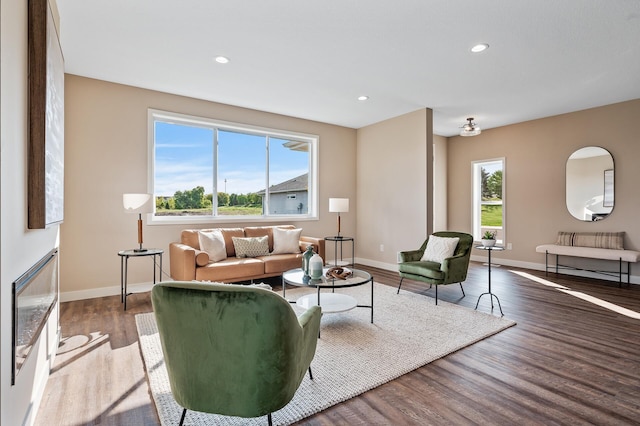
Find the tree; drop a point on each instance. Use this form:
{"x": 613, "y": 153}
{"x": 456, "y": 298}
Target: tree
{"x": 190, "y": 199}
{"x": 484, "y": 176}
{"x": 494, "y": 184}
{"x": 223, "y": 199}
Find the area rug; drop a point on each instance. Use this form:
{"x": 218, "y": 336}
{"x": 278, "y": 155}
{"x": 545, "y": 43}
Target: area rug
{"x": 353, "y": 355}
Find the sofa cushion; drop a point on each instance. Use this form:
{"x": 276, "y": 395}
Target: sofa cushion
{"x": 606, "y": 240}
{"x": 251, "y": 247}
{"x": 231, "y": 269}
{"x": 423, "y": 269}
{"x": 439, "y": 248}
{"x": 213, "y": 243}
{"x": 286, "y": 240}
{"x": 261, "y": 231}
{"x": 278, "y": 263}
{"x": 228, "y": 234}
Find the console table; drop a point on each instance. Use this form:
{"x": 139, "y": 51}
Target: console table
{"x": 489, "y": 250}
{"x": 124, "y": 263}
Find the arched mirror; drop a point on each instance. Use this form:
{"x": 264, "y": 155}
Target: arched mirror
{"x": 590, "y": 179}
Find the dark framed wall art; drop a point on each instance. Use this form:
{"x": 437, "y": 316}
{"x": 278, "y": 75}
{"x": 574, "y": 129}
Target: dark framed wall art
{"x": 45, "y": 155}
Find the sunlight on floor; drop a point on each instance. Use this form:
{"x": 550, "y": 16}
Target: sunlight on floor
{"x": 602, "y": 303}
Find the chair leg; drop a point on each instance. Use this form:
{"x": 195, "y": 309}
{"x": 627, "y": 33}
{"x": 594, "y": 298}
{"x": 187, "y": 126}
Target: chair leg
{"x": 310, "y": 374}
{"x": 436, "y": 294}
{"x": 269, "y": 419}
{"x": 462, "y": 290}
{"x": 184, "y": 413}
{"x": 401, "y": 278}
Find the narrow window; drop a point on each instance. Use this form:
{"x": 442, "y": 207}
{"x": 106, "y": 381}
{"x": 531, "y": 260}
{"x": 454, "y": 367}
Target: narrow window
{"x": 488, "y": 199}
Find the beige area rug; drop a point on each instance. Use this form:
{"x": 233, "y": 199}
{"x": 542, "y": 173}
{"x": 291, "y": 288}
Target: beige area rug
{"x": 352, "y": 356}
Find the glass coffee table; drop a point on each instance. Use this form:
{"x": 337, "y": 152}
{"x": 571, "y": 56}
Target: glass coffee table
{"x": 330, "y": 302}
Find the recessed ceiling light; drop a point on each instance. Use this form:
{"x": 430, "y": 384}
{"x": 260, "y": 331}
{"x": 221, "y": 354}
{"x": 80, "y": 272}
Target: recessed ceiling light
{"x": 222, "y": 59}
{"x": 479, "y": 47}
{"x": 363, "y": 98}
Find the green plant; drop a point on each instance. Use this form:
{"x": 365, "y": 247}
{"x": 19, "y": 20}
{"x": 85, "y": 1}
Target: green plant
{"x": 489, "y": 235}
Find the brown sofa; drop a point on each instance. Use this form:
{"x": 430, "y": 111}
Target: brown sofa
{"x": 188, "y": 262}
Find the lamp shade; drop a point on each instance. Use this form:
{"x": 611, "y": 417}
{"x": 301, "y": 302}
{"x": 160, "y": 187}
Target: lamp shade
{"x": 338, "y": 205}
{"x": 136, "y": 203}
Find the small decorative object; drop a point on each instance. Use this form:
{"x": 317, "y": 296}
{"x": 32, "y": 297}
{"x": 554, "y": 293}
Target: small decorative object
{"x": 489, "y": 239}
{"x": 306, "y": 257}
{"x": 315, "y": 267}
{"x": 338, "y": 273}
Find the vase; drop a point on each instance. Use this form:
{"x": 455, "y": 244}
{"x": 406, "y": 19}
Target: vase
{"x": 488, "y": 243}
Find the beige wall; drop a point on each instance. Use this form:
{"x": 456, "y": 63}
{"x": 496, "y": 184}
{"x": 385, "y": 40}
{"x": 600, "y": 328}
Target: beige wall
{"x": 392, "y": 171}
{"x": 440, "y": 149}
{"x": 20, "y": 248}
{"x": 536, "y": 153}
{"x": 106, "y": 156}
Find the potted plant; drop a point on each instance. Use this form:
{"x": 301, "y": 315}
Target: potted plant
{"x": 489, "y": 238}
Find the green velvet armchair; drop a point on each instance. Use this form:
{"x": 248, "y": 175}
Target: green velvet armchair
{"x": 231, "y": 349}
{"x": 451, "y": 270}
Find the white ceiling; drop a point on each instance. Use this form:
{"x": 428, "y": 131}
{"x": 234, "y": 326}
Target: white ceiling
{"x": 312, "y": 58}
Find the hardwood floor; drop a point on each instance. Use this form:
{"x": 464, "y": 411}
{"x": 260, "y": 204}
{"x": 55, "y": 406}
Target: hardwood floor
{"x": 567, "y": 361}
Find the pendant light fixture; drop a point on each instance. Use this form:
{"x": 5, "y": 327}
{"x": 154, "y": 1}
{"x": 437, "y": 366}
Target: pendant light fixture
{"x": 470, "y": 128}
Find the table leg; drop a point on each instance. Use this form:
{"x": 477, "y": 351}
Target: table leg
{"x": 121, "y": 279}
{"x": 126, "y": 271}
{"x": 371, "y": 300}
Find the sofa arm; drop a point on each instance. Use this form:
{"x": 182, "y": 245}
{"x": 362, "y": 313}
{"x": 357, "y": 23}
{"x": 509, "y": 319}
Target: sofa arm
{"x": 317, "y": 243}
{"x": 411, "y": 256}
{"x": 182, "y": 262}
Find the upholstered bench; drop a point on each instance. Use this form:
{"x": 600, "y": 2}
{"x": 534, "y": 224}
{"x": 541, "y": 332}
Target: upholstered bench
{"x": 592, "y": 245}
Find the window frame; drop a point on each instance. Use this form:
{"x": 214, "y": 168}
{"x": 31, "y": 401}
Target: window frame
{"x": 154, "y": 115}
{"x": 476, "y": 199}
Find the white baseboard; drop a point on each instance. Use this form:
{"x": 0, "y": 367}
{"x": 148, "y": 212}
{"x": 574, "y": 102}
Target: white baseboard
{"x": 380, "y": 265}
{"x": 69, "y": 296}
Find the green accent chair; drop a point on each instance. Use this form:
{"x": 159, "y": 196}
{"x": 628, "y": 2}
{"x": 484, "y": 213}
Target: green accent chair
{"x": 231, "y": 349}
{"x": 452, "y": 270}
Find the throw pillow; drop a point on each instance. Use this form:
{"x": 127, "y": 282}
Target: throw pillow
{"x": 439, "y": 248}
{"x": 251, "y": 247}
{"x": 286, "y": 241}
{"x": 212, "y": 242}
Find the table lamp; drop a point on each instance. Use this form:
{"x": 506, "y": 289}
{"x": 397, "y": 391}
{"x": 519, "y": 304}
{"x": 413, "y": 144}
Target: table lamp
{"x": 137, "y": 203}
{"x": 338, "y": 205}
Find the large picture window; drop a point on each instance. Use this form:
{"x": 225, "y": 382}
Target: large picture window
{"x": 488, "y": 199}
{"x": 203, "y": 170}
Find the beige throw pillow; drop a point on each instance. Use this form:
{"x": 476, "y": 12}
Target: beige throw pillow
{"x": 286, "y": 241}
{"x": 212, "y": 242}
{"x": 251, "y": 247}
{"x": 439, "y": 248}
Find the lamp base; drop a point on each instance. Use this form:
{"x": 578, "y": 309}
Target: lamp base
{"x": 140, "y": 250}
{"x": 338, "y": 237}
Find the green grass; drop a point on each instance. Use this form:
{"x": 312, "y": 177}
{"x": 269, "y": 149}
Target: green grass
{"x": 240, "y": 211}
{"x": 222, "y": 211}
{"x": 491, "y": 216}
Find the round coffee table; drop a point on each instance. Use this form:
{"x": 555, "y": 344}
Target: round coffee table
{"x": 330, "y": 302}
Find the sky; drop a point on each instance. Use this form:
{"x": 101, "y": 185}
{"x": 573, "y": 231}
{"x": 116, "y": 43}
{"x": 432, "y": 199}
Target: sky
{"x": 184, "y": 160}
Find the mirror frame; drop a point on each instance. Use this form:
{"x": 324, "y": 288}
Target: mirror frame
{"x": 589, "y": 194}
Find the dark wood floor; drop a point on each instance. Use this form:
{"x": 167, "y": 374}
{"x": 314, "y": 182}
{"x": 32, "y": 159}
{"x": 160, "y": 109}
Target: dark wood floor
{"x": 567, "y": 361}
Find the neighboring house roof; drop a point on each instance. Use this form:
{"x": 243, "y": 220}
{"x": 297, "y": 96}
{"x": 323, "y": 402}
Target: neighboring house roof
{"x": 299, "y": 183}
